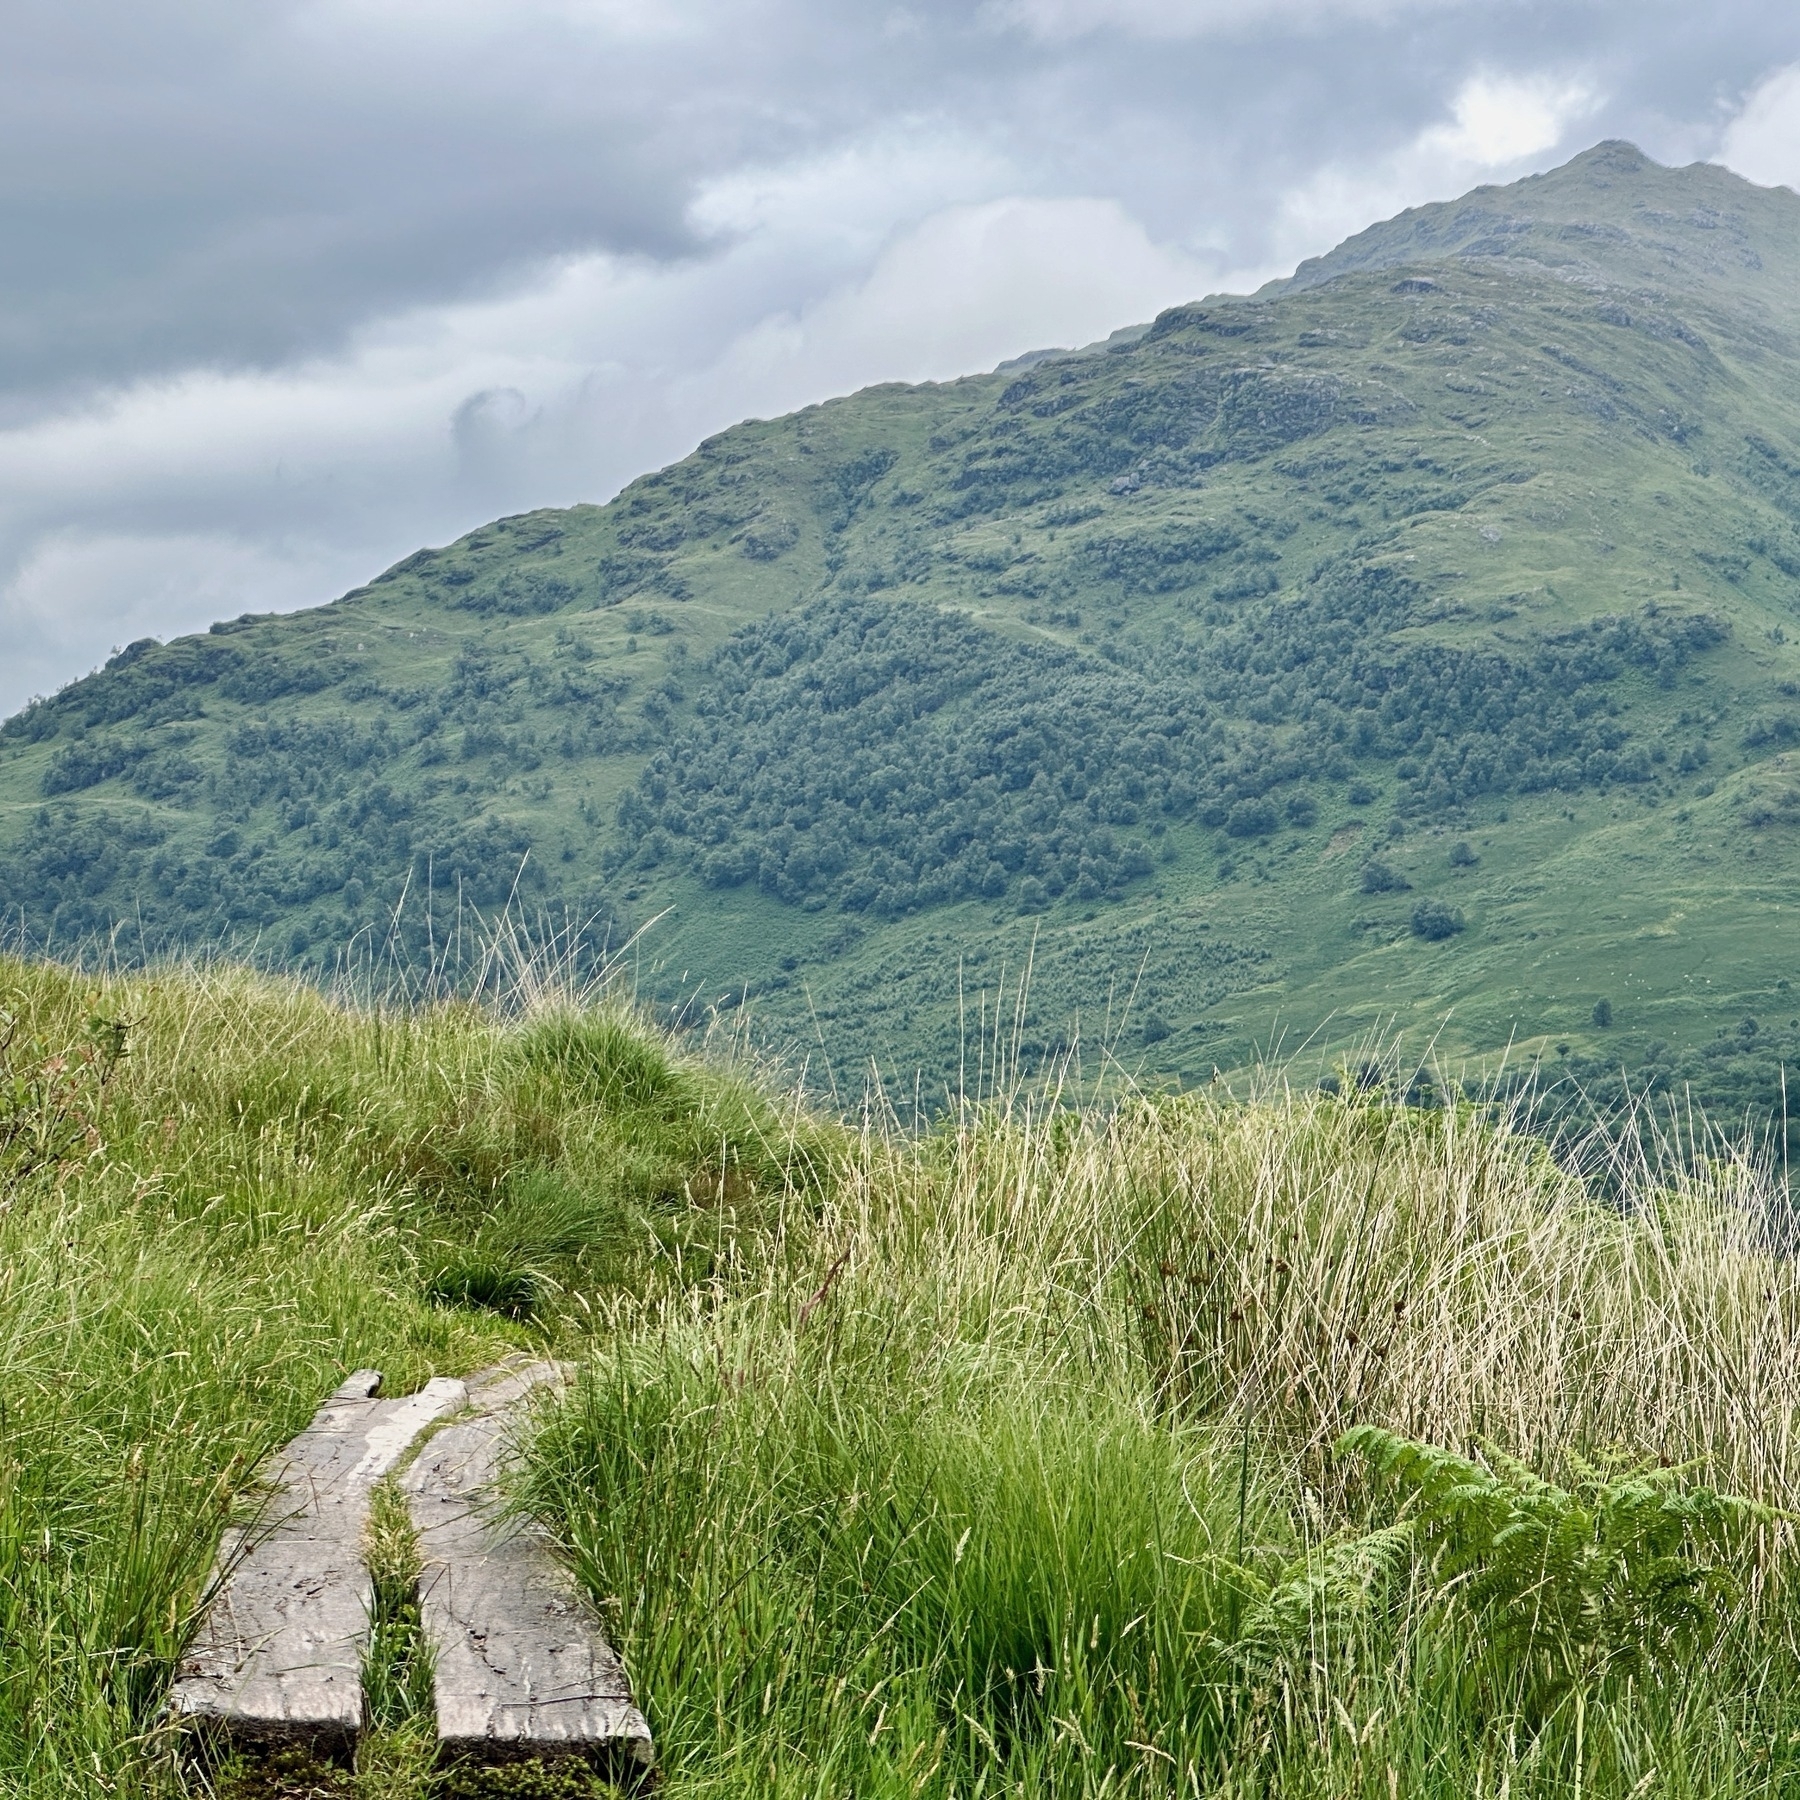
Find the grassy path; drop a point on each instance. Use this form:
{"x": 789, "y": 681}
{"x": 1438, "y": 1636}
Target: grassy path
{"x": 220, "y": 1195}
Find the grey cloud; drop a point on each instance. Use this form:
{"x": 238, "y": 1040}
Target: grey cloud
{"x": 1165, "y": 21}
{"x": 206, "y": 183}
{"x": 247, "y": 184}
{"x": 289, "y": 286}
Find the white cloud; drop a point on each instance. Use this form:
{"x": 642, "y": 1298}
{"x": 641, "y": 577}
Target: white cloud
{"x": 964, "y": 289}
{"x": 1497, "y": 121}
{"x": 853, "y": 197}
{"x": 80, "y": 595}
{"x": 1763, "y": 142}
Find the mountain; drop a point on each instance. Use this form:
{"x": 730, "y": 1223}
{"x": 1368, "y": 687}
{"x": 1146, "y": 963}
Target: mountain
{"x": 1412, "y": 644}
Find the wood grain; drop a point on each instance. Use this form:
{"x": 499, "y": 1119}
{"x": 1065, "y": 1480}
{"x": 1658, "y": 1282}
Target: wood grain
{"x": 523, "y": 1667}
{"x": 279, "y": 1653}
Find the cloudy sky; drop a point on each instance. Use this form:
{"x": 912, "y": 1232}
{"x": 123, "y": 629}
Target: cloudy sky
{"x": 291, "y": 287}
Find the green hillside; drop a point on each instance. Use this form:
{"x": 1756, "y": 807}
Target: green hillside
{"x": 1414, "y": 645}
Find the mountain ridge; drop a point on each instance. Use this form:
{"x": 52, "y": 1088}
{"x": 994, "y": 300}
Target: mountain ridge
{"x": 1713, "y": 230}
{"x": 1363, "y": 651}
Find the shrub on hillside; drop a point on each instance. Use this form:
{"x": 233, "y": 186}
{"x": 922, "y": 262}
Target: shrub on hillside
{"x": 1251, "y": 818}
{"x": 1434, "y": 921}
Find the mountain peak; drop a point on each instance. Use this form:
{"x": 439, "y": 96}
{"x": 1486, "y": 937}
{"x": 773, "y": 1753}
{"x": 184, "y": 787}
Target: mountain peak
{"x": 1611, "y": 156}
{"x": 1610, "y": 217}
{"x": 1419, "y": 633}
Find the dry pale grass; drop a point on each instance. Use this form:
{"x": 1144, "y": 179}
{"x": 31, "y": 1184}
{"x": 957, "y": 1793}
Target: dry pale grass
{"x": 1305, "y": 1262}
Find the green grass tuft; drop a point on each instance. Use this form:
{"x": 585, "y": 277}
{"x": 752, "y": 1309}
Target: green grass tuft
{"x": 490, "y": 1279}
{"x": 1023, "y": 1468}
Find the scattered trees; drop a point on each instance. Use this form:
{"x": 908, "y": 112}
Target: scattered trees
{"x": 881, "y": 755}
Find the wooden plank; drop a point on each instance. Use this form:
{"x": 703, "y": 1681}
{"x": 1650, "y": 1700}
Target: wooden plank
{"x": 523, "y": 1667}
{"x": 279, "y": 1654}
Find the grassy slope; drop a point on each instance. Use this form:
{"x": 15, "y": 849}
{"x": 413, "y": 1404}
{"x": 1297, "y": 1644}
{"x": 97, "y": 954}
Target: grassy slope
{"x": 1001, "y": 1459}
{"x": 1584, "y": 416}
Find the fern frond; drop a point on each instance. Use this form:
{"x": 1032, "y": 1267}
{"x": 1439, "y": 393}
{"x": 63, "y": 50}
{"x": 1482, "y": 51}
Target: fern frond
{"x": 1626, "y": 1571}
{"x": 1325, "y": 1594}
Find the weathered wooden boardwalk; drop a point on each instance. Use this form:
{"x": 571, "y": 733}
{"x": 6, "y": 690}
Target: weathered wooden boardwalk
{"x": 523, "y": 1667}
{"x": 279, "y": 1655}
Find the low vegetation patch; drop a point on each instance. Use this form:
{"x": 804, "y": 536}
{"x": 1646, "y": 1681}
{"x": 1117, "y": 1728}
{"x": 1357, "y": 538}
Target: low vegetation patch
{"x": 219, "y": 1195}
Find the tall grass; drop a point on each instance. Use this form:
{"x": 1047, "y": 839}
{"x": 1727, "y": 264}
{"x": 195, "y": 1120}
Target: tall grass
{"x": 1017, "y": 1468}
{"x": 250, "y": 1202}
{"x": 1299, "y": 1444}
